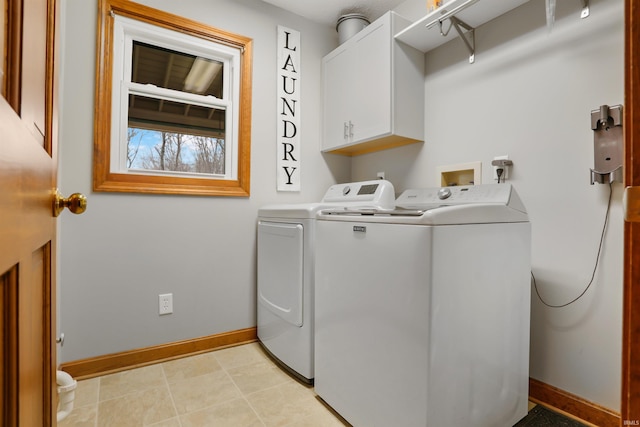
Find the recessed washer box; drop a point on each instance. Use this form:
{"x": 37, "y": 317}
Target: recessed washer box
{"x": 460, "y": 174}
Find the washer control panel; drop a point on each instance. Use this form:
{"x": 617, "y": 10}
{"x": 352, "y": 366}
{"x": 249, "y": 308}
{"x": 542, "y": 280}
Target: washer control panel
{"x": 425, "y": 198}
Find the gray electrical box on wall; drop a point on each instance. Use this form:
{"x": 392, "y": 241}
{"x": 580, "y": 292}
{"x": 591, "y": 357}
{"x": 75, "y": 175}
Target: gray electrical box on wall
{"x": 607, "y": 144}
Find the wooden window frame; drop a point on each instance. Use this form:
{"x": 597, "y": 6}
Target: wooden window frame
{"x": 108, "y": 181}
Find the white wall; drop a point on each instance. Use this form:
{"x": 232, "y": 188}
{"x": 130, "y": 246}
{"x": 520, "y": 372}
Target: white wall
{"x": 126, "y": 249}
{"x": 529, "y": 95}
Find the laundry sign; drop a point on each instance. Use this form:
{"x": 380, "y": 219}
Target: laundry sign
{"x": 288, "y": 109}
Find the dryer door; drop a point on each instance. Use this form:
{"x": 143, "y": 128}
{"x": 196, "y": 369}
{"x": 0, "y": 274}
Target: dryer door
{"x": 280, "y": 269}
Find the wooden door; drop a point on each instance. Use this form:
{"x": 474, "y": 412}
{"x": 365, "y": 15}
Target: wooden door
{"x": 630, "y": 402}
{"x": 28, "y": 168}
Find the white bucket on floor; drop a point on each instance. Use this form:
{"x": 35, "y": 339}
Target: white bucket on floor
{"x": 66, "y": 393}
{"x": 349, "y": 25}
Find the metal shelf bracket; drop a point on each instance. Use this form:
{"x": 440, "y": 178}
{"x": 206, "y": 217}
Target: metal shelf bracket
{"x": 468, "y": 37}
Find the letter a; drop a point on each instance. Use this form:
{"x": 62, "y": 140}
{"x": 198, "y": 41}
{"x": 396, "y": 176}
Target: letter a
{"x": 289, "y": 63}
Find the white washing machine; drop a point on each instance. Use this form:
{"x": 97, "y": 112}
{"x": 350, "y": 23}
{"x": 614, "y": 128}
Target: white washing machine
{"x": 422, "y": 314}
{"x": 286, "y": 246}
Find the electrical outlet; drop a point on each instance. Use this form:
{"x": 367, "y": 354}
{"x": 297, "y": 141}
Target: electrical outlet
{"x": 165, "y": 304}
{"x": 505, "y": 170}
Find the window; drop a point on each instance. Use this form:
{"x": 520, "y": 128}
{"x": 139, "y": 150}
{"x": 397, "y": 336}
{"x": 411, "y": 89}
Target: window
{"x": 173, "y": 105}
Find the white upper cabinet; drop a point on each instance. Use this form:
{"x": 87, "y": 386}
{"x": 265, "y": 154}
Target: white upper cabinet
{"x": 373, "y": 91}
{"x": 425, "y": 35}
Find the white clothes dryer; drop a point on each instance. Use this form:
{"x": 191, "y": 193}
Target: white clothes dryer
{"x": 286, "y": 248}
{"x": 422, "y": 313}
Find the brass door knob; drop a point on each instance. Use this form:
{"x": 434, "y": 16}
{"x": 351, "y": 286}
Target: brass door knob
{"x": 77, "y": 203}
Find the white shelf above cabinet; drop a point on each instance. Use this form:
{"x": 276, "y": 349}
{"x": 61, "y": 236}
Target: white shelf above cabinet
{"x": 424, "y": 39}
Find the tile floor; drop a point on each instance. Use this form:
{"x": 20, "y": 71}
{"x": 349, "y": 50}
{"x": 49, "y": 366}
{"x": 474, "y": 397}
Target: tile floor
{"x": 238, "y": 386}
{"x": 232, "y": 387}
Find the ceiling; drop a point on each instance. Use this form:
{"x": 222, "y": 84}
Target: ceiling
{"x": 328, "y": 11}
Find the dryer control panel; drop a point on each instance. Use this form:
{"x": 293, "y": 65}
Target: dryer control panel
{"x": 375, "y": 194}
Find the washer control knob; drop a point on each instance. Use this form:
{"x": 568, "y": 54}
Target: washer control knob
{"x": 444, "y": 193}
{"x": 346, "y": 190}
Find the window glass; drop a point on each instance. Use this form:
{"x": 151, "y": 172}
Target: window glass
{"x": 175, "y": 70}
{"x": 155, "y": 150}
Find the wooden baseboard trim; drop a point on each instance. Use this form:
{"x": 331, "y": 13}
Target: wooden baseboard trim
{"x": 110, "y": 363}
{"x": 572, "y": 405}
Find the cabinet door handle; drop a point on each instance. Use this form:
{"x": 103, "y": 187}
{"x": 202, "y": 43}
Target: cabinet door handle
{"x": 350, "y": 129}
{"x": 344, "y": 132}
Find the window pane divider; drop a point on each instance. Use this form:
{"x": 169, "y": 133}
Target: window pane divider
{"x": 154, "y": 91}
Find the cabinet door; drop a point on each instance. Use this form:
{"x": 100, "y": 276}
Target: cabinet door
{"x": 371, "y": 77}
{"x": 338, "y": 89}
